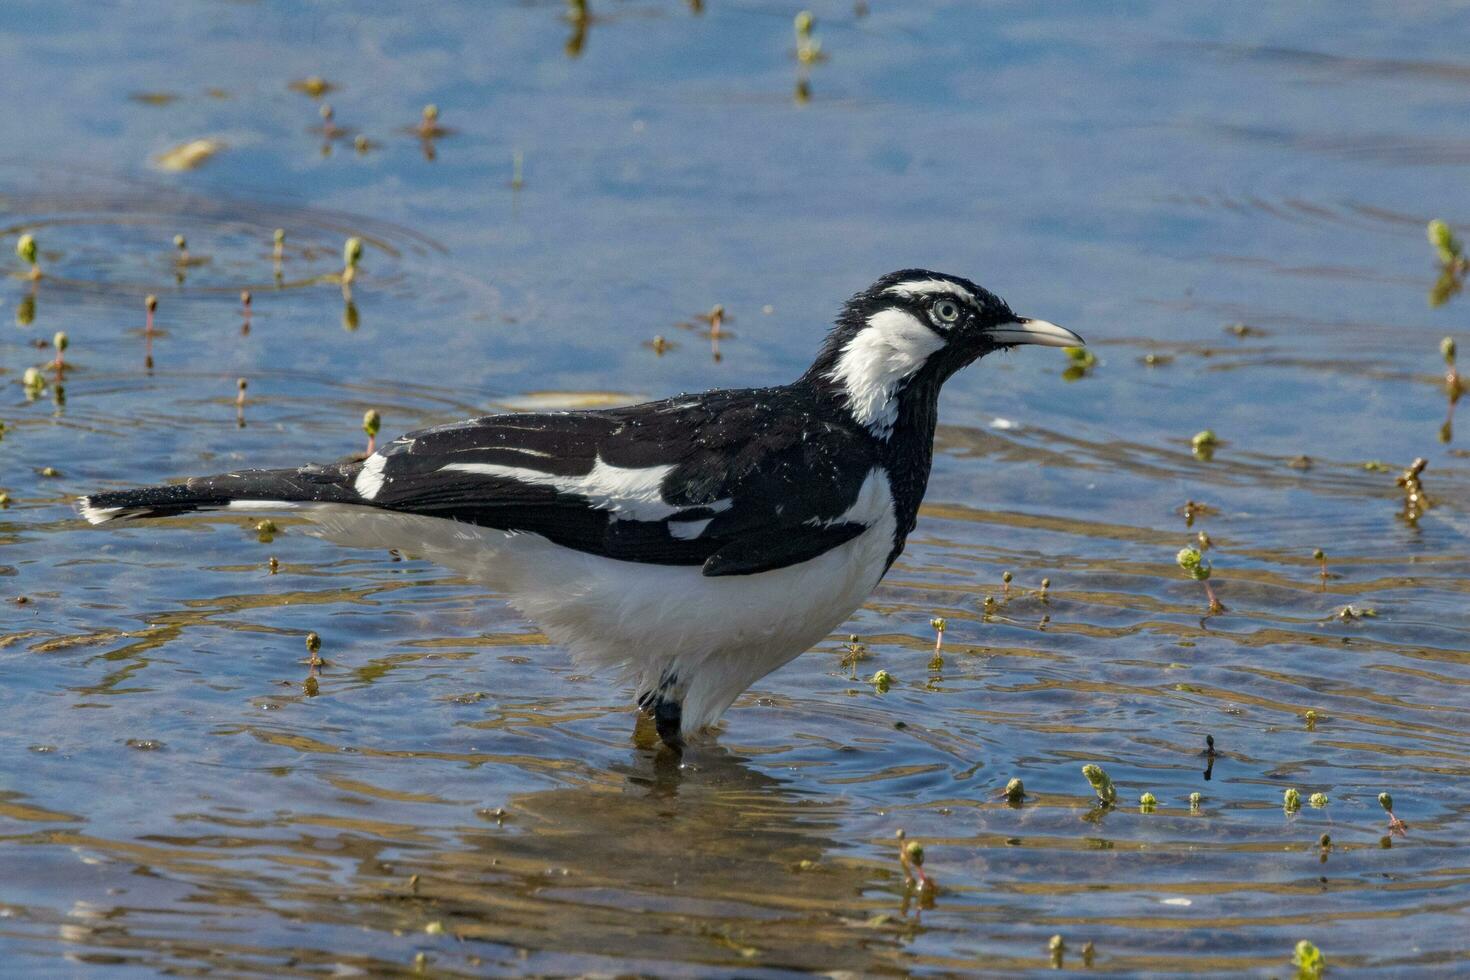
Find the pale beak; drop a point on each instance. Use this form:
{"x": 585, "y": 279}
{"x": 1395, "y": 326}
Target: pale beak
{"x": 1025, "y": 331}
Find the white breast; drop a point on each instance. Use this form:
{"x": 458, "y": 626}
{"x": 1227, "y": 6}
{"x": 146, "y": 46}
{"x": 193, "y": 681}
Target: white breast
{"x": 718, "y": 635}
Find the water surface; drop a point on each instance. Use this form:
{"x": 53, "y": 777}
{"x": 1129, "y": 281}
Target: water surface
{"x": 180, "y": 791}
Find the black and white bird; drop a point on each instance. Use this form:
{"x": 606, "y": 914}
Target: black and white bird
{"x": 695, "y": 544}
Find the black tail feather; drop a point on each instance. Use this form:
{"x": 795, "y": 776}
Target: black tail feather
{"x": 308, "y": 484}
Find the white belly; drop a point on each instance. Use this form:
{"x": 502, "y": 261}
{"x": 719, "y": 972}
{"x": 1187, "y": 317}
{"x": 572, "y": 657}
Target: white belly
{"x": 717, "y": 635}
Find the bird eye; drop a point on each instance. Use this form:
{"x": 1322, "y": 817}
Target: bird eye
{"x": 947, "y": 310}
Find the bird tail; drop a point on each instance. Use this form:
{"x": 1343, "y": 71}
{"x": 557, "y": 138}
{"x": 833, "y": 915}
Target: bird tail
{"x": 245, "y": 490}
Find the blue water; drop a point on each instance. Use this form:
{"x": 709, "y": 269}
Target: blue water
{"x": 177, "y": 795}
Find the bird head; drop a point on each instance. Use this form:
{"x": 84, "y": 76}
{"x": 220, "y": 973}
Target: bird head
{"x": 906, "y": 334}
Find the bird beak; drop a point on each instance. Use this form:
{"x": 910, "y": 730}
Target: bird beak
{"x": 1024, "y": 331}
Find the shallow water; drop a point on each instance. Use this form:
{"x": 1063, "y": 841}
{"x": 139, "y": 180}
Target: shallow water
{"x": 178, "y": 791}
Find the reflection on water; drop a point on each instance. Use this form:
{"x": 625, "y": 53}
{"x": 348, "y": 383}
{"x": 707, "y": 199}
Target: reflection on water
{"x": 1234, "y": 214}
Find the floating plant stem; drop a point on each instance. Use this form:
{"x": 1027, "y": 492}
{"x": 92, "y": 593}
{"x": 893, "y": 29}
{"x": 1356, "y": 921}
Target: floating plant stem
{"x": 25, "y": 247}
{"x": 1446, "y": 245}
{"x": 1395, "y": 825}
{"x": 1416, "y": 502}
{"x": 1193, "y": 563}
{"x": 60, "y": 342}
{"x": 314, "y": 648}
{"x": 1005, "y": 583}
{"x": 240, "y": 385}
{"x": 372, "y": 423}
{"x": 278, "y": 251}
{"x": 1321, "y": 558}
{"x": 937, "y": 661}
{"x": 1454, "y": 387}
{"x": 854, "y": 651}
{"x": 517, "y": 170}
{"x": 1101, "y": 783}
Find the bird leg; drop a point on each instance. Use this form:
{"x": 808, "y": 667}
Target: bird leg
{"x": 667, "y": 709}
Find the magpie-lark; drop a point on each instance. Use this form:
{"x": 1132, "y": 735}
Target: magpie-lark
{"x": 695, "y": 543}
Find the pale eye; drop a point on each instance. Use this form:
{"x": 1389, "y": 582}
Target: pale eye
{"x": 947, "y": 311}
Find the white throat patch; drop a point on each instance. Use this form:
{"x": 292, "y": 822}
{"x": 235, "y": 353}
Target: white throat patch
{"x": 874, "y": 365}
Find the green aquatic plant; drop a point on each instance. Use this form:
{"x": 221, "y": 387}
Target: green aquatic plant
{"x": 911, "y": 859}
{"x": 881, "y": 681}
{"x": 240, "y": 385}
{"x": 660, "y": 345}
{"x": 1080, "y": 362}
{"x": 1395, "y": 825}
{"x": 1320, "y": 557}
{"x": 1005, "y": 583}
{"x": 25, "y": 310}
{"x": 1056, "y": 950}
{"x": 372, "y": 423}
{"x": 1204, "y": 443}
{"x": 1416, "y": 502}
{"x": 1147, "y": 802}
{"x": 1192, "y": 561}
{"x": 351, "y": 256}
{"x": 1015, "y": 791}
{"x": 517, "y": 170}
{"x": 33, "y": 382}
{"x": 60, "y": 342}
{"x": 1291, "y": 800}
{"x": 1195, "y": 799}
{"x": 1446, "y": 245}
{"x": 937, "y": 661}
{"x": 4, "y": 500}
{"x": 25, "y": 247}
{"x": 808, "y": 47}
{"x": 1317, "y": 800}
{"x": 314, "y": 649}
{"x": 273, "y": 565}
{"x": 1308, "y": 961}
{"x": 1101, "y": 783}
{"x": 278, "y": 250}
{"x": 1045, "y": 589}
{"x": 265, "y": 531}
{"x": 313, "y": 85}
{"x": 853, "y": 651}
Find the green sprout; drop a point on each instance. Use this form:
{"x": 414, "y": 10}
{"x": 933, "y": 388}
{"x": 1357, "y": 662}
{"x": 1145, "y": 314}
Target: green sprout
{"x": 808, "y": 48}
{"x": 1080, "y": 362}
{"x": 1005, "y": 583}
{"x": 240, "y": 385}
{"x": 274, "y": 565}
{"x": 278, "y": 250}
{"x": 854, "y": 650}
{"x": 1204, "y": 444}
{"x": 1317, "y": 800}
{"x": 314, "y": 648}
{"x": 1291, "y": 800}
{"x": 1320, "y": 557}
{"x": 265, "y": 531}
{"x": 1147, "y": 802}
{"x": 34, "y": 383}
{"x": 1395, "y": 825}
{"x": 25, "y": 247}
{"x": 4, "y": 500}
{"x": 937, "y": 661}
{"x": 1056, "y": 949}
{"x": 1192, "y": 561}
{"x": 1308, "y": 961}
{"x": 881, "y": 681}
{"x": 60, "y": 341}
{"x": 1045, "y": 587}
{"x": 1015, "y": 791}
{"x": 351, "y": 255}
{"x": 372, "y": 423}
{"x": 1102, "y": 784}
{"x": 1194, "y": 801}
{"x": 1446, "y": 245}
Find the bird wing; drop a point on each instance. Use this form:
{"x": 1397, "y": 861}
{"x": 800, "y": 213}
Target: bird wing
{"x": 737, "y": 482}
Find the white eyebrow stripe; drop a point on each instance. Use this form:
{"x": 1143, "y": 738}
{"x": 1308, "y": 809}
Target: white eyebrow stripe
{"x": 930, "y": 287}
